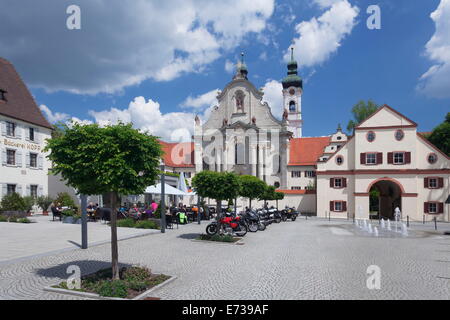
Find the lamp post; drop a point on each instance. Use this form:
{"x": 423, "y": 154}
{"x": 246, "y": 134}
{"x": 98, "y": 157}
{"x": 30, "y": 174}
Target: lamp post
{"x": 84, "y": 233}
{"x": 163, "y": 196}
{"x": 199, "y": 202}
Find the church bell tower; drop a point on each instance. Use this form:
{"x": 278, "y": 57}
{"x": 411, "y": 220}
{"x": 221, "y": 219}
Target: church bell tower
{"x": 292, "y": 98}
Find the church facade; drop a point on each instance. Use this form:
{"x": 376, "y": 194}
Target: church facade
{"x": 384, "y": 165}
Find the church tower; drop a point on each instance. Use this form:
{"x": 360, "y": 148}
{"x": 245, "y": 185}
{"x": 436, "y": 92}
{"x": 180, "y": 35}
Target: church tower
{"x": 292, "y": 97}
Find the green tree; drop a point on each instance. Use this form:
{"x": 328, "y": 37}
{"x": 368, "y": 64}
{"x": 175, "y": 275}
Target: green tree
{"x": 251, "y": 188}
{"x": 113, "y": 160}
{"x": 218, "y": 186}
{"x": 13, "y": 202}
{"x": 268, "y": 194}
{"x": 361, "y": 111}
{"x": 65, "y": 200}
{"x": 440, "y": 136}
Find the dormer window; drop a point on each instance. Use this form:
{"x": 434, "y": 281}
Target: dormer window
{"x": 3, "y": 95}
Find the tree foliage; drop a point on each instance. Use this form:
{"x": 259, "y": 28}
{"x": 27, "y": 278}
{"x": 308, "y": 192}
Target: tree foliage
{"x": 216, "y": 185}
{"x": 251, "y": 187}
{"x": 440, "y": 136}
{"x": 361, "y": 111}
{"x": 13, "y": 202}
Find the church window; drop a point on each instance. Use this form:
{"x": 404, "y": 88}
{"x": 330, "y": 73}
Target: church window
{"x": 292, "y": 107}
{"x": 432, "y": 158}
{"x": 239, "y": 153}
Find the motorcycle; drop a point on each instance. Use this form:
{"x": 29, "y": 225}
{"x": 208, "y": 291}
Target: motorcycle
{"x": 289, "y": 213}
{"x": 275, "y": 215}
{"x": 253, "y": 221}
{"x": 229, "y": 225}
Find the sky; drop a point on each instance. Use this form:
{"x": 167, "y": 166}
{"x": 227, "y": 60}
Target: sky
{"x": 159, "y": 63}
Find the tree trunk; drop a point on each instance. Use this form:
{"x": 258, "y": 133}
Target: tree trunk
{"x": 219, "y": 215}
{"x": 250, "y": 204}
{"x": 114, "y": 247}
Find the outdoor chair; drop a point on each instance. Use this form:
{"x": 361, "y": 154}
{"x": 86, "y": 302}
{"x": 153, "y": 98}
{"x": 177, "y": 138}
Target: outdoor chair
{"x": 56, "y": 213}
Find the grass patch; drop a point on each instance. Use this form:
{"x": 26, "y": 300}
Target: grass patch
{"x": 219, "y": 238}
{"x": 131, "y": 223}
{"x": 133, "y": 282}
{"x": 14, "y": 219}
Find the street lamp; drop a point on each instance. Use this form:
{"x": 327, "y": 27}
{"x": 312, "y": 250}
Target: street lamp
{"x": 163, "y": 196}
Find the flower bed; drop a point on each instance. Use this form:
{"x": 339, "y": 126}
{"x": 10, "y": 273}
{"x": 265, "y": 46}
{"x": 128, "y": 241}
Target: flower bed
{"x": 143, "y": 224}
{"x": 133, "y": 282}
{"x": 219, "y": 238}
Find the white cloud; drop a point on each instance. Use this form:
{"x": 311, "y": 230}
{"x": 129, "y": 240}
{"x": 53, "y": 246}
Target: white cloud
{"x": 436, "y": 81}
{"x": 123, "y": 44}
{"x": 230, "y": 66}
{"x": 320, "y": 37}
{"x": 53, "y": 117}
{"x": 273, "y": 95}
{"x": 201, "y": 101}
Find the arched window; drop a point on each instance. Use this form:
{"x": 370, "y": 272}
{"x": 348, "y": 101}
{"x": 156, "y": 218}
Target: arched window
{"x": 292, "y": 106}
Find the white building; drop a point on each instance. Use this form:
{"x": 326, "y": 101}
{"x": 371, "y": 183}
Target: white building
{"x": 23, "y": 130}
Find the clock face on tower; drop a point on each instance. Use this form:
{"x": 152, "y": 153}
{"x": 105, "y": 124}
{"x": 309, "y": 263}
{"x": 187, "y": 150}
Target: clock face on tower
{"x": 292, "y": 92}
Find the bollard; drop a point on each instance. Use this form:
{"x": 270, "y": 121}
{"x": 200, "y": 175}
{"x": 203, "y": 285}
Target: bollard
{"x": 423, "y": 219}
{"x": 407, "y": 221}
{"x": 435, "y": 223}
{"x": 329, "y": 216}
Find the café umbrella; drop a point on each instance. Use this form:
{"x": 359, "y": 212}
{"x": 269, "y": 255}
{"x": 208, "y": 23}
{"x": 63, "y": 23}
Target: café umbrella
{"x": 169, "y": 190}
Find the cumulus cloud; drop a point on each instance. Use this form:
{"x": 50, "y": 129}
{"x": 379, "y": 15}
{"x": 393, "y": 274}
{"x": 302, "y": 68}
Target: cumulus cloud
{"x": 230, "y": 66}
{"x": 123, "y": 43}
{"x": 201, "y": 101}
{"x": 436, "y": 81}
{"x": 273, "y": 95}
{"x": 320, "y": 37}
{"x": 53, "y": 117}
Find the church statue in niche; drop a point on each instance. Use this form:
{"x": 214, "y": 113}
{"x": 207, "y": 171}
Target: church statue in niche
{"x": 240, "y": 102}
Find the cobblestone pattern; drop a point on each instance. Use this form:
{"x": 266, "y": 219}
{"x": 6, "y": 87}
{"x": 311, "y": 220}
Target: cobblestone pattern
{"x": 292, "y": 260}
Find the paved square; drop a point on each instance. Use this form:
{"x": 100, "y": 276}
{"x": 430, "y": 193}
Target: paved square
{"x": 313, "y": 259}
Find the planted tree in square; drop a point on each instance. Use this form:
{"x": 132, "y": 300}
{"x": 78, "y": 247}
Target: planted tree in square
{"x": 252, "y": 188}
{"x": 113, "y": 160}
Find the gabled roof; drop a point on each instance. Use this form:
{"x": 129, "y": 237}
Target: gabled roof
{"x": 20, "y": 104}
{"x": 306, "y": 151}
{"x": 179, "y": 154}
{"x": 364, "y": 124}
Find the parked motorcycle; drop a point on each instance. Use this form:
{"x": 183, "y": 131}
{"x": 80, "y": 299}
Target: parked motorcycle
{"x": 229, "y": 225}
{"x": 253, "y": 221}
{"x": 289, "y": 213}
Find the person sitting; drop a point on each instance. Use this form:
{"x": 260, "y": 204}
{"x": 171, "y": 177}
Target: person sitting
{"x": 134, "y": 212}
{"x": 56, "y": 211}
{"x": 90, "y": 209}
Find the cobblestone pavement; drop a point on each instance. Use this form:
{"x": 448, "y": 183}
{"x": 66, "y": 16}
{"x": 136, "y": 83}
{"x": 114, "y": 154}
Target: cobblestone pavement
{"x": 313, "y": 259}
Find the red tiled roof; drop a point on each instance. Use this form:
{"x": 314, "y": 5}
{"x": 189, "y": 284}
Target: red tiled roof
{"x": 306, "y": 151}
{"x": 20, "y": 104}
{"x": 178, "y": 155}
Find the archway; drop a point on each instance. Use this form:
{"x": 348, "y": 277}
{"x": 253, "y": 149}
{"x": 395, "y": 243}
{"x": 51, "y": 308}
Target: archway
{"x": 384, "y": 196}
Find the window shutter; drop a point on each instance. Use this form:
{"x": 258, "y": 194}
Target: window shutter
{"x": 40, "y": 191}
{"x": 379, "y": 158}
{"x": 40, "y": 160}
{"x": 390, "y": 158}
{"x": 426, "y": 183}
{"x": 440, "y": 183}
{"x": 27, "y": 133}
{"x": 440, "y": 207}
{"x": 27, "y": 163}
{"x": 331, "y": 206}
{"x": 425, "y": 207}
{"x": 4, "y": 157}
{"x": 37, "y": 135}
{"x": 3, "y": 125}
{"x": 344, "y": 182}
{"x": 363, "y": 158}
{"x": 332, "y": 183}
{"x": 19, "y": 158}
{"x": 344, "y": 206}
{"x": 18, "y": 132}
{"x": 407, "y": 157}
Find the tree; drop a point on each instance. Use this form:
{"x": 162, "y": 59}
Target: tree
{"x": 279, "y": 196}
{"x": 440, "y": 136}
{"x": 251, "y": 188}
{"x": 361, "y": 111}
{"x": 268, "y": 194}
{"x": 113, "y": 160}
{"x": 216, "y": 185}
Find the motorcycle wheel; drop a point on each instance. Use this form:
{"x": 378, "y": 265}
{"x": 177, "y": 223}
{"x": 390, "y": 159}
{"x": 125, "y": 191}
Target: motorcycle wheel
{"x": 261, "y": 226}
{"x": 293, "y": 218}
{"x": 277, "y": 220}
{"x": 211, "y": 229}
{"x": 284, "y": 218}
{"x": 253, "y": 227}
{"x": 243, "y": 230}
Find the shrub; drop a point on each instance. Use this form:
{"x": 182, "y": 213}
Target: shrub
{"x": 148, "y": 224}
{"x": 137, "y": 285}
{"x": 65, "y": 199}
{"x": 126, "y": 223}
{"x": 69, "y": 213}
{"x": 113, "y": 288}
{"x": 24, "y": 220}
{"x": 136, "y": 274}
{"x": 29, "y": 203}
{"x": 13, "y": 202}
{"x": 3, "y": 218}
{"x": 13, "y": 219}
{"x": 44, "y": 202}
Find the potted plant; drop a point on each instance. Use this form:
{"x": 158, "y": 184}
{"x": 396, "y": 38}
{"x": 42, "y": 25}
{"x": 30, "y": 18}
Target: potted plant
{"x": 14, "y": 205}
{"x": 44, "y": 202}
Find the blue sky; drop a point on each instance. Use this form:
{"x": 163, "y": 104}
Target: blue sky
{"x": 71, "y": 74}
